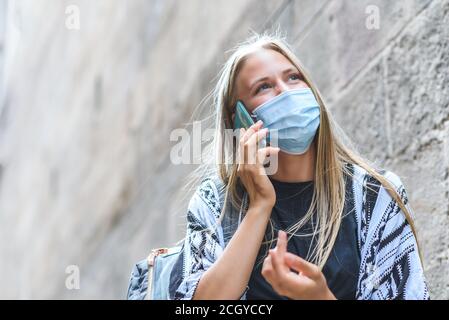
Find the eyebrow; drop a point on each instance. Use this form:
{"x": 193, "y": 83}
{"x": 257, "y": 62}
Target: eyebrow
{"x": 266, "y": 78}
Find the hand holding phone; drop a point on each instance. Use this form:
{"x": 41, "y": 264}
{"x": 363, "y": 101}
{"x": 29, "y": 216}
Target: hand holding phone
{"x": 244, "y": 120}
{"x": 254, "y": 178}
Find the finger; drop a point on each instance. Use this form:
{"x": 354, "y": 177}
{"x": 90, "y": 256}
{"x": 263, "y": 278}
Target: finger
{"x": 245, "y": 153}
{"x": 280, "y": 277}
{"x": 278, "y": 263}
{"x": 280, "y": 250}
{"x": 250, "y": 153}
{"x": 260, "y": 134}
{"x": 257, "y": 125}
{"x": 251, "y": 145}
{"x": 251, "y": 130}
{"x": 274, "y": 264}
{"x": 282, "y": 243}
{"x": 244, "y": 135}
{"x": 268, "y": 260}
{"x": 300, "y": 265}
{"x": 241, "y": 133}
{"x": 248, "y": 133}
{"x": 240, "y": 154}
{"x": 266, "y": 152}
{"x": 267, "y": 263}
{"x": 267, "y": 267}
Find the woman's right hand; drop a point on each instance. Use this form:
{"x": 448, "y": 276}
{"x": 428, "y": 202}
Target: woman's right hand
{"x": 250, "y": 168}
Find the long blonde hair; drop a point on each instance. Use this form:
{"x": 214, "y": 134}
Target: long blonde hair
{"x": 333, "y": 150}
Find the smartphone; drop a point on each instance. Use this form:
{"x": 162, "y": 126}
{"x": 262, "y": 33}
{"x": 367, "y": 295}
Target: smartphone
{"x": 244, "y": 120}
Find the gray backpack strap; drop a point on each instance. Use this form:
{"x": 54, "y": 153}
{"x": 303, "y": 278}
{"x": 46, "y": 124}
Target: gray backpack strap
{"x": 233, "y": 216}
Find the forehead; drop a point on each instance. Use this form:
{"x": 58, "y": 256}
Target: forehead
{"x": 262, "y": 63}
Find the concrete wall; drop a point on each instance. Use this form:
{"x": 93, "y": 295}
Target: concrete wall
{"x": 85, "y": 118}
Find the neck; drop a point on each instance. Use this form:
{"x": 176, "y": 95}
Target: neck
{"x": 296, "y": 168}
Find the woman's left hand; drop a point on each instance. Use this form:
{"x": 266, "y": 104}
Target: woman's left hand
{"x": 308, "y": 284}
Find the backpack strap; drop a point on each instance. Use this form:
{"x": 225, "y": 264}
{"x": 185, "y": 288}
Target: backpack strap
{"x": 232, "y": 216}
{"x": 370, "y": 191}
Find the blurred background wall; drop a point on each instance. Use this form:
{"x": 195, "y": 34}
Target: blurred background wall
{"x": 86, "y": 114}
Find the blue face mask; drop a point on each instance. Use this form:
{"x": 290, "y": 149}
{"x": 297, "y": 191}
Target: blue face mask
{"x": 294, "y": 116}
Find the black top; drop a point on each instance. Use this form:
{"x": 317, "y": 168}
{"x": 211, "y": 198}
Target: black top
{"x": 341, "y": 269}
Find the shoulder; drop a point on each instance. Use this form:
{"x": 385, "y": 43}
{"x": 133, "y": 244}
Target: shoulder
{"x": 376, "y": 196}
{"x": 363, "y": 178}
{"x": 374, "y": 203}
{"x": 207, "y": 196}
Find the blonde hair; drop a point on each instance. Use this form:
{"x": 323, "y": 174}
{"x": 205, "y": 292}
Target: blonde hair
{"x": 333, "y": 150}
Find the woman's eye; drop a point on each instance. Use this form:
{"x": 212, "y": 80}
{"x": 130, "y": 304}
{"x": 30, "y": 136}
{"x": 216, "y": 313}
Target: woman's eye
{"x": 295, "y": 76}
{"x": 262, "y": 86}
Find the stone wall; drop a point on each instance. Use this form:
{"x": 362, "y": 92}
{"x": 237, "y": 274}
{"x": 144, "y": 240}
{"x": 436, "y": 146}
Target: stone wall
{"x": 85, "y": 119}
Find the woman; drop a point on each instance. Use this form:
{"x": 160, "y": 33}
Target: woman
{"x": 334, "y": 241}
